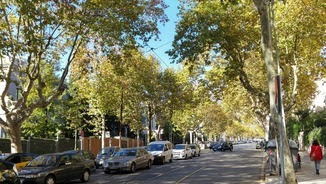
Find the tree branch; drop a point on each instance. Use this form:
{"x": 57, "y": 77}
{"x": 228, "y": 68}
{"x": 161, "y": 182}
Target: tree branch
{"x": 3, "y": 123}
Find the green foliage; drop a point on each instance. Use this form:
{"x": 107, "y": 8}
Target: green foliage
{"x": 318, "y": 134}
{"x": 311, "y": 123}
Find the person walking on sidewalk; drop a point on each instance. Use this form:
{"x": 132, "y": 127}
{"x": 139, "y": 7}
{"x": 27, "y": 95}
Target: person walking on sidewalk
{"x": 316, "y": 155}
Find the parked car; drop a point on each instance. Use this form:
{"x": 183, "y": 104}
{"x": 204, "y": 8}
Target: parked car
{"x": 258, "y": 146}
{"x": 8, "y": 173}
{"x": 56, "y": 167}
{"x": 182, "y": 151}
{"x": 105, "y": 154}
{"x": 19, "y": 159}
{"x": 128, "y": 159}
{"x": 161, "y": 150}
{"x": 195, "y": 150}
{"x": 87, "y": 155}
{"x": 223, "y": 146}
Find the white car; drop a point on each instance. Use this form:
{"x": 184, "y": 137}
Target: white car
{"x": 182, "y": 151}
{"x": 195, "y": 150}
{"x": 161, "y": 150}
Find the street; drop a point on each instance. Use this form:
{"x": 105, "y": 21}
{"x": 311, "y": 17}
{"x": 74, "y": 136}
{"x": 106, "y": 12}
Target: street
{"x": 243, "y": 165}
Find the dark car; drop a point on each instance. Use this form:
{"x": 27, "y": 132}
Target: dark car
{"x": 19, "y": 159}
{"x": 212, "y": 144}
{"x": 105, "y": 154}
{"x": 8, "y": 173}
{"x": 223, "y": 146}
{"x": 90, "y": 158}
{"x": 56, "y": 167}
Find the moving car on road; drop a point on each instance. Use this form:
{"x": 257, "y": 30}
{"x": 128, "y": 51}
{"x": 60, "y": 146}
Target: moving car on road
{"x": 223, "y": 146}
{"x": 161, "y": 150}
{"x": 212, "y": 144}
{"x": 258, "y": 146}
{"x": 128, "y": 159}
{"x": 56, "y": 167}
{"x": 195, "y": 150}
{"x": 105, "y": 154}
{"x": 8, "y": 173}
{"x": 182, "y": 151}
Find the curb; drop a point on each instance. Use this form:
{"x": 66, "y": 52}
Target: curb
{"x": 263, "y": 169}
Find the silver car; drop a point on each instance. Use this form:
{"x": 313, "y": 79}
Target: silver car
{"x": 195, "y": 150}
{"x": 128, "y": 159}
{"x": 105, "y": 154}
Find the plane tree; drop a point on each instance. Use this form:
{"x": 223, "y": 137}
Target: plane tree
{"x": 37, "y": 32}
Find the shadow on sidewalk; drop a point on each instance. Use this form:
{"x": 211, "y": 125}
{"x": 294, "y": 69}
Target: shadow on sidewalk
{"x": 306, "y": 174}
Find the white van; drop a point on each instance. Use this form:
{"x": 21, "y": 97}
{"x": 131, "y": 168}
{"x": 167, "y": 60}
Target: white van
{"x": 161, "y": 150}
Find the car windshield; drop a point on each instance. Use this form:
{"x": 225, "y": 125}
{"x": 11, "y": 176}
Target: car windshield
{"x": 192, "y": 146}
{"x": 107, "y": 151}
{"x": 179, "y": 146}
{"x": 155, "y": 147}
{"x": 43, "y": 160}
{"x": 126, "y": 152}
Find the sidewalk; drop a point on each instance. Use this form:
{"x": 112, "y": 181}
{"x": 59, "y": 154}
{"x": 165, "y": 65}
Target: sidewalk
{"x": 306, "y": 174}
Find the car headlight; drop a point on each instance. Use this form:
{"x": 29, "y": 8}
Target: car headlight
{"x": 105, "y": 164}
{"x": 126, "y": 163}
{"x": 160, "y": 154}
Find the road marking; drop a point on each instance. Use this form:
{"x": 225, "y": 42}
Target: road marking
{"x": 191, "y": 174}
{"x": 165, "y": 173}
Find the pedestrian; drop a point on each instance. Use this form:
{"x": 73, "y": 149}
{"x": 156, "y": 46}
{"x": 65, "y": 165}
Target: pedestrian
{"x": 316, "y": 155}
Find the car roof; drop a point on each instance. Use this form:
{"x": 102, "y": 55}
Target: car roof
{"x": 59, "y": 154}
{"x": 160, "y": 142}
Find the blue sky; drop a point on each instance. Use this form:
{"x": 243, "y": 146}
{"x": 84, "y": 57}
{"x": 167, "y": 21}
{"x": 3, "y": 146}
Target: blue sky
{"x": 166, "y": 37}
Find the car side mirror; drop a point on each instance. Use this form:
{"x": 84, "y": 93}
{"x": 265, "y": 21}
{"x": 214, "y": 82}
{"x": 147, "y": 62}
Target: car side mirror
{"x": 165, "y": 149}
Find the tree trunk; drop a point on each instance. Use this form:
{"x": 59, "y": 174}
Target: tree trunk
{"x": 137, "y": 138}
{"x": 15, "y": 138}
{"x": 149, "y": 123}
{"x": 267, "y": 49}
{"x": 121, "y": 118}
{"x": 103, "y": 132}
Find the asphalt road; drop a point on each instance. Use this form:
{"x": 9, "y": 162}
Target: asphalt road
{"x": 243, "y": 165}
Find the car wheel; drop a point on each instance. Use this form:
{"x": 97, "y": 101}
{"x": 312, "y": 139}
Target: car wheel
{"x": 149, "y": 164}
{"x": 107, "y": 172}
{"x": 186, "y": 158}
{"x": 133, "y": 167}
{"x": 49, "y": 180}
{"x": 223, "y": 150}
{"x": 85, "y": 177}
{"x": 163, "y": 161}
{"x": 171, "y": 158}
